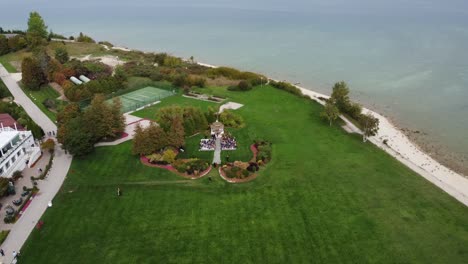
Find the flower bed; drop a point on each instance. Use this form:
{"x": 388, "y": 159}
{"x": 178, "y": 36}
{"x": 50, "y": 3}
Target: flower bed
{"x": 238, "y": 171}
{"x": 171, "y": 168}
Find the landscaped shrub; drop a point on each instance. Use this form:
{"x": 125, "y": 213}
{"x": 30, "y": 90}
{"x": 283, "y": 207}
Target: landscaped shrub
{"x": 264, "y": 150}
{"x": 286, "y": 87}
{"x": 9, "y": 219}
{"x": 180, "y": 166}
{"x": 230, "y": 119}
{"x": 191, "y": 166}
{"x": 17, "y": 174}
{"x": 242, "y": 86}
{"x": 169, "y": 156}
{"x": 49, "y": 103}
{"x": 3, "y": 235}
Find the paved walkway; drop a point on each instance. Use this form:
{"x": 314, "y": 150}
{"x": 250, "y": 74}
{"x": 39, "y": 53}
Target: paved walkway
{"x": 22, "y": 99}
{"x": 217, "y": 152}
{"x": 48, "y": 187}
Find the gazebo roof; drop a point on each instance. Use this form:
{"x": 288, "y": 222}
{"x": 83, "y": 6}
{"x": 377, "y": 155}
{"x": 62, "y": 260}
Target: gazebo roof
{"x": 217, "y": 126}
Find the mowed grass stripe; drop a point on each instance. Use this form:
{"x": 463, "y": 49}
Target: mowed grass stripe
{"x": 326, "y": 197}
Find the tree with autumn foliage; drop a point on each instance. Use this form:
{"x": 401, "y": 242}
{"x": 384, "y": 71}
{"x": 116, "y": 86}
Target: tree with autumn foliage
{"x": 33, "y": 76}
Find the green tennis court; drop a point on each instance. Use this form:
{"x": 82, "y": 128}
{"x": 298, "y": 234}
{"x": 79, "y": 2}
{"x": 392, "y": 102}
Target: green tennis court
{"x": 144, "y": 96}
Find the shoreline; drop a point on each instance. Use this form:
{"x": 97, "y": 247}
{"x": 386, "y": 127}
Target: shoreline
{"x": 401, "y": 148}
{"x": 406, "y": 151}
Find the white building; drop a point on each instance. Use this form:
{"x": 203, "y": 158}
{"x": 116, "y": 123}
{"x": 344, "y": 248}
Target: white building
{"x": 17, "y": 150}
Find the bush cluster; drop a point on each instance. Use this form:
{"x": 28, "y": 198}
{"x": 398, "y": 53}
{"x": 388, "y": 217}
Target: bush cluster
{"x": 236, "y": 172}
{"x": 107, "y": 85}
{"x": 264, "y": 150}
{"x": 242, "y": 86}
{"x": 191, "y": 166}
{"x": 287, "y": 87}
{"x": 231, "y": 119}
{"x": 232, "y": 74}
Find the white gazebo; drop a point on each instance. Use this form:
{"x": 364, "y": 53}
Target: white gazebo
{"x": 217, "y": 129}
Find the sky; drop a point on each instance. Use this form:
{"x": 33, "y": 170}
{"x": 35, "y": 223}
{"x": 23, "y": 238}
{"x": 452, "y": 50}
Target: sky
{"x": 321, "y": 6}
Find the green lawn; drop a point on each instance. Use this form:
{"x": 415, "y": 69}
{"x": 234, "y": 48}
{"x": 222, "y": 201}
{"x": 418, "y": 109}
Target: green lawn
{"x": 40, "y": 96}
{"x": 149, "y": 112}
{"x": 325, "y": 197}
{"x": 4, "y": 60}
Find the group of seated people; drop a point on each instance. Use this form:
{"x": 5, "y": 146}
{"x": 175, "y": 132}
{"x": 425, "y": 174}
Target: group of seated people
{"x": 207, "y": 144}
{"x": 228, "y": 143}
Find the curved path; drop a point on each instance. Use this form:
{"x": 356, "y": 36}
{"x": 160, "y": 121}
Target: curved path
{"x": 48, "y": 187}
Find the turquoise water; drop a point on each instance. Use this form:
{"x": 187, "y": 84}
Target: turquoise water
{"x": 408, "y": 62}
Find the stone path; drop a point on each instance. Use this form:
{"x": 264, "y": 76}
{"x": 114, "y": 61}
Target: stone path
{"x": 217, "y": 152}
{"x": 48, "y": 187}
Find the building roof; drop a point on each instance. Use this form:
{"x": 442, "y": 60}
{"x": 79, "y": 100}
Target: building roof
{"x": 9, "y": 35}
{"x": 217, "y": 125}
{"x": 7, "y": 121}
{"x": 6, "y": 137}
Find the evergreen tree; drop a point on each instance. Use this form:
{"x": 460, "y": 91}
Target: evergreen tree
{"x": 37, "y": 30}
{"x": 99, "y": 119}
{"x": 61, "y": 54}
{"x": 157, "y": 138}
{"x": 140, "y": 141}
{"x": 118, "y": 118}
{"x": 176, "y": 133}
{"x": 37, "y": 25}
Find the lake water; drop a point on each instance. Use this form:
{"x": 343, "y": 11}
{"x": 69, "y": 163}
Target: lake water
{"x": 408, "y": 62}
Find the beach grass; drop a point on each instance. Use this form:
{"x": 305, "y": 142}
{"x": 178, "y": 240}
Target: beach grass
{"x": 325, "y": 197}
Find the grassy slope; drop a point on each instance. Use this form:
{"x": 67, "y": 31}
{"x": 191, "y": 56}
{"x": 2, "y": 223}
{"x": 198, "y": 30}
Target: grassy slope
{"x": 326, "y": 197}
{"x": 40, "y": 96}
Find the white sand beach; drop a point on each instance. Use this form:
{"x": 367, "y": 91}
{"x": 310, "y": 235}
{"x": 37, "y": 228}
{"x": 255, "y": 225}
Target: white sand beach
{"x": 400, "y": 146}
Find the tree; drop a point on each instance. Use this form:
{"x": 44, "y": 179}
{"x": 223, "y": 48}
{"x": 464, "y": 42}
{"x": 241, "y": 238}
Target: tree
{"x": 99, "y": 119}
{"x": 61, "y": 54}
{"x": 43, "y": 59}
{"x": 69, "y": 112}
{"x": 231, "y": 119}
{"x": 76, "y": 139}
{"x": 33, "y": 76}
{"x": 176, "y": 133}
{"x": 37, "y": 25}
{"x": 140, "y": 141}
{"x": 158, "y": 138}
{"x": 211, "y": 114}
{"x": 244, "y": 86}
{"x": 37, "y": 30}
{"x": 17, "y": 42}
{"x": 118, "y": 119}
{"x": 4, "y": 182}
{"x": 4, "y": 48}
{"x": 330, "y": 112}
{"x": 340, "y": 96}
{"x": 149, "y": 140}
{"x": 370, "y": 125}
{"x": 49, "y": 145}
{"x": 83, "y": 38}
